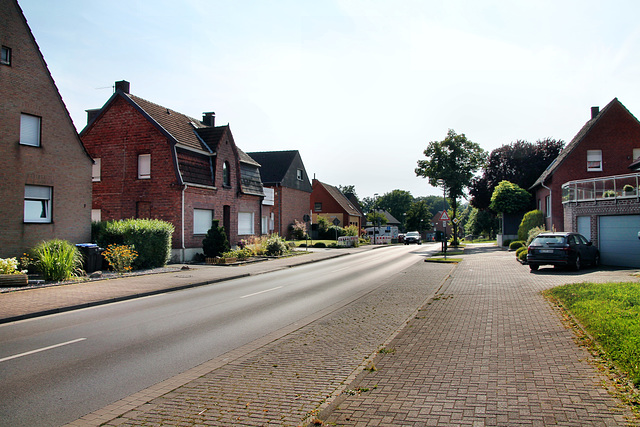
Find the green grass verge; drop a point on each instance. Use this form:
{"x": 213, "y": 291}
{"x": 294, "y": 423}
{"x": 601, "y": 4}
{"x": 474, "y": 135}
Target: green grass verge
{"x": 453, "y": 260}
{"x": 610, "y": 313}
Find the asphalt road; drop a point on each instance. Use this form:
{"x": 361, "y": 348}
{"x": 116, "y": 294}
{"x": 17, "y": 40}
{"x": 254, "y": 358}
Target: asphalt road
{"x": 55, "y": 369}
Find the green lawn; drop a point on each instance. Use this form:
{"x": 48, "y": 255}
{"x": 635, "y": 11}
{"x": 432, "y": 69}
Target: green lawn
{"x": 610, "y": 313}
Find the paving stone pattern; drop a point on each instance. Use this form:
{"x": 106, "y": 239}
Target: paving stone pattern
{"x": 489, "y": 350}
{"x": 287, "y": 381}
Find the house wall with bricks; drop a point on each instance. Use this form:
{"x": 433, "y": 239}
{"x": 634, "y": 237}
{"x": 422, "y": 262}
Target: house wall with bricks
{"x": 616, "y": 134}
{"x": 59, "y": 163}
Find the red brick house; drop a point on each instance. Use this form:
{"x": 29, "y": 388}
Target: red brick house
{"x": 329, "y": 202}
{"x": 284, "y": 173}
{"x": 605, "y": 146}
{"x": 153, "y": 162}
{"x": 44, "y": 169}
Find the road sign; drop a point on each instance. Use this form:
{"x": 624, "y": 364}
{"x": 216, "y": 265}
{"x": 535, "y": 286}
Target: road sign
{"x": 456, "y": 221}
{"x": 444, "y": 216}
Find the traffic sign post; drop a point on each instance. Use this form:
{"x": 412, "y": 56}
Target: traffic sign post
{"x": 444, "y": 217}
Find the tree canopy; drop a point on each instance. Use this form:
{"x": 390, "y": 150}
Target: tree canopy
{"x": 397, "y": 203}
{"x": 452, "y": 161}
{"x": 520, "y": 162}
{"x": 509, "y": 198}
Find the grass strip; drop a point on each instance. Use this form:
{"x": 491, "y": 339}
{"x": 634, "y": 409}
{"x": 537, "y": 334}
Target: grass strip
{"x": 610, "y": 313}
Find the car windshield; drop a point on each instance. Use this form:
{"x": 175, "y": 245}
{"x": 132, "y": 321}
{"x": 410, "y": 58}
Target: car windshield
{"x": 413, "y": 233}
{"x": 548, "y": 241}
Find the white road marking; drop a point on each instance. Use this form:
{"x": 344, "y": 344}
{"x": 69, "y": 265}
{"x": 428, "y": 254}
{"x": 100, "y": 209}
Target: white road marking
{"x": 261, "y": 292}
{"x": 15, "y": 356}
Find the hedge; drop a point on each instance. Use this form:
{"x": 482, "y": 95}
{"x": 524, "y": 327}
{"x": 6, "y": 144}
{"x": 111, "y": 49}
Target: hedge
{"x": 151, "y": 239}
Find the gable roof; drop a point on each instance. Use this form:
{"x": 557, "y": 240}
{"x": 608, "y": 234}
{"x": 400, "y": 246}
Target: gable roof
{"x": 274, "y": 165}
{"x": 555, "y": 164}
{"x": 340, "y": 198}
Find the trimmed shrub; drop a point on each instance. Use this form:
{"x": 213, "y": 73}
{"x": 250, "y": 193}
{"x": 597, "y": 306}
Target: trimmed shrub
{"x": 319, "y": 245}
{"x": 521, "y": 253}
{"x": 215, "y": 243}
{"x": 151, "y": 239}
{"x": 516, "y": 244}
{"x": 57, "y": 260}
{"x": 530, "y": 220}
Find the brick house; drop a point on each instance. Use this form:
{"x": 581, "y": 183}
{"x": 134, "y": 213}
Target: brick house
{"x": 153, "y": 162}
{"x": 329, "y": 202}
{"x": 284, "y": 173}
{"x": 44, "y": 169}
{"x": 605, "y": 146}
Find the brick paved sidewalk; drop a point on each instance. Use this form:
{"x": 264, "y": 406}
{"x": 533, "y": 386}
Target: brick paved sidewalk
{"x": 487, "y": 351}
{"x": 285, "y": 378}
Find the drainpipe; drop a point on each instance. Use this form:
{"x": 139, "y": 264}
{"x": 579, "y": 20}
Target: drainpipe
{"x": 550, "y": 205}
{"x": 184, "y": 187}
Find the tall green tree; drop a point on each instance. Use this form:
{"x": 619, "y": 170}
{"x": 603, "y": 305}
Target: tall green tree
{"x": 451, "y": 163}
{"x": 419, "y": 217}
{"x": 520, "y": 162}
{"x": 397, "y": 203}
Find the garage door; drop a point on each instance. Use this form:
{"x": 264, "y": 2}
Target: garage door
{"x": 619, "y": 243}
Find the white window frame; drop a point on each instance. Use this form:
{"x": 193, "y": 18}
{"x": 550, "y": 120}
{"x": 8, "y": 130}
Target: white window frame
{"x": 30, "y": 130}
{"x": 37, "y": 198}
{"x": 96, "y": 170}
{"x": 202, "y": 220}
{"x": 96, "y": 215}
{"x": 245, "y": 224}
{"x": 547, "y": 206}
{"x": 144, "y": 166}
{"x": 265, "y": 225}
{"x": 594, "y": 160}
{"x": 636, "y": 153}
{"x": 300, "y": 175}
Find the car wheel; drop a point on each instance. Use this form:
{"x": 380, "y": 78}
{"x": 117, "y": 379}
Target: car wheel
{"x": 577, "y": 264}
{"x": 533, "y": 267}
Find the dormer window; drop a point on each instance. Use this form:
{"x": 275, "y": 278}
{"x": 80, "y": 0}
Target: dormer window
{"x": 5, "y": 56}
{"x": 594, "y": 160}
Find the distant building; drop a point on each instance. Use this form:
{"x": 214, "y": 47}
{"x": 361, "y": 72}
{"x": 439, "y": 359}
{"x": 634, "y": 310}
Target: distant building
{"x": 45, "y": 172}
{"x": 329, "y": 202}
{"x": 283, "y": 173}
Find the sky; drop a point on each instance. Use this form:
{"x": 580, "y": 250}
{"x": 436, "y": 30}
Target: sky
{"x": 358, "y": 87}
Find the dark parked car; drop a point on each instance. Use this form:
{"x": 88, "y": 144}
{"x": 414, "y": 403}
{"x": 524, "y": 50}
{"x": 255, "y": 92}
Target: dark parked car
{"x": 563, "y": 248}
{"x": 412, "y": 237}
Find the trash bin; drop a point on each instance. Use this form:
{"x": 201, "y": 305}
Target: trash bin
{"x": 91, "y": 256}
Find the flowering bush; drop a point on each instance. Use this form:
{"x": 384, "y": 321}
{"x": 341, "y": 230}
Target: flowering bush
{"x": 9, "y": 266}
{"x": 120, "y": 257}
{"x": 275, "y": 246}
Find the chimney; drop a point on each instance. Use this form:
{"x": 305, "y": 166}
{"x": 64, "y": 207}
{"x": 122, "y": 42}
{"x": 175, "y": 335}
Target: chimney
{"x": 209, "y": 119}
{"x": 594, "y": 112}
{"x": 91, "y": 114}
{"x": 122, "y": 85}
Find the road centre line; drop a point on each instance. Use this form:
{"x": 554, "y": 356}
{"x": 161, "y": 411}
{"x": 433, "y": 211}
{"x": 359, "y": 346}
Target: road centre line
{"x": 261, "y": 292}
{"x": 15, "y": 356}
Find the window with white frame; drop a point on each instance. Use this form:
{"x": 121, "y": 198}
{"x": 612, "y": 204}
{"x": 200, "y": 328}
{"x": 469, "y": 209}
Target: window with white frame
{"x": 245, "y": 223}
{"x": 37, "y": 204}
{"x": 300, "y": 175}
{"x": 144, "y": 166}
{"x": 547, "y": 203}
{"x": 594, "y": 160}
{"x": 636, "y": 153}
{"x": 202, "y": 220}
{"x": 226, "y": 174}
{"x": 265, "y": 225}
{"x": 29, "y": 130}
{"x": 95, "y": 170}
{"x": 96, "y": 215}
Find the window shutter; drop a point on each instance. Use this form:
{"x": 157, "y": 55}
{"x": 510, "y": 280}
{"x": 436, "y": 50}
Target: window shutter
{"x": 29, "y": 130}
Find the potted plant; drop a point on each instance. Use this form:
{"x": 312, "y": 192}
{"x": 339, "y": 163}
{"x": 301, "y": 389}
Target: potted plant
{"x": 628, "y": 190}
{"x": 10, "y": 276}
{"x": 609, "y": 193}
